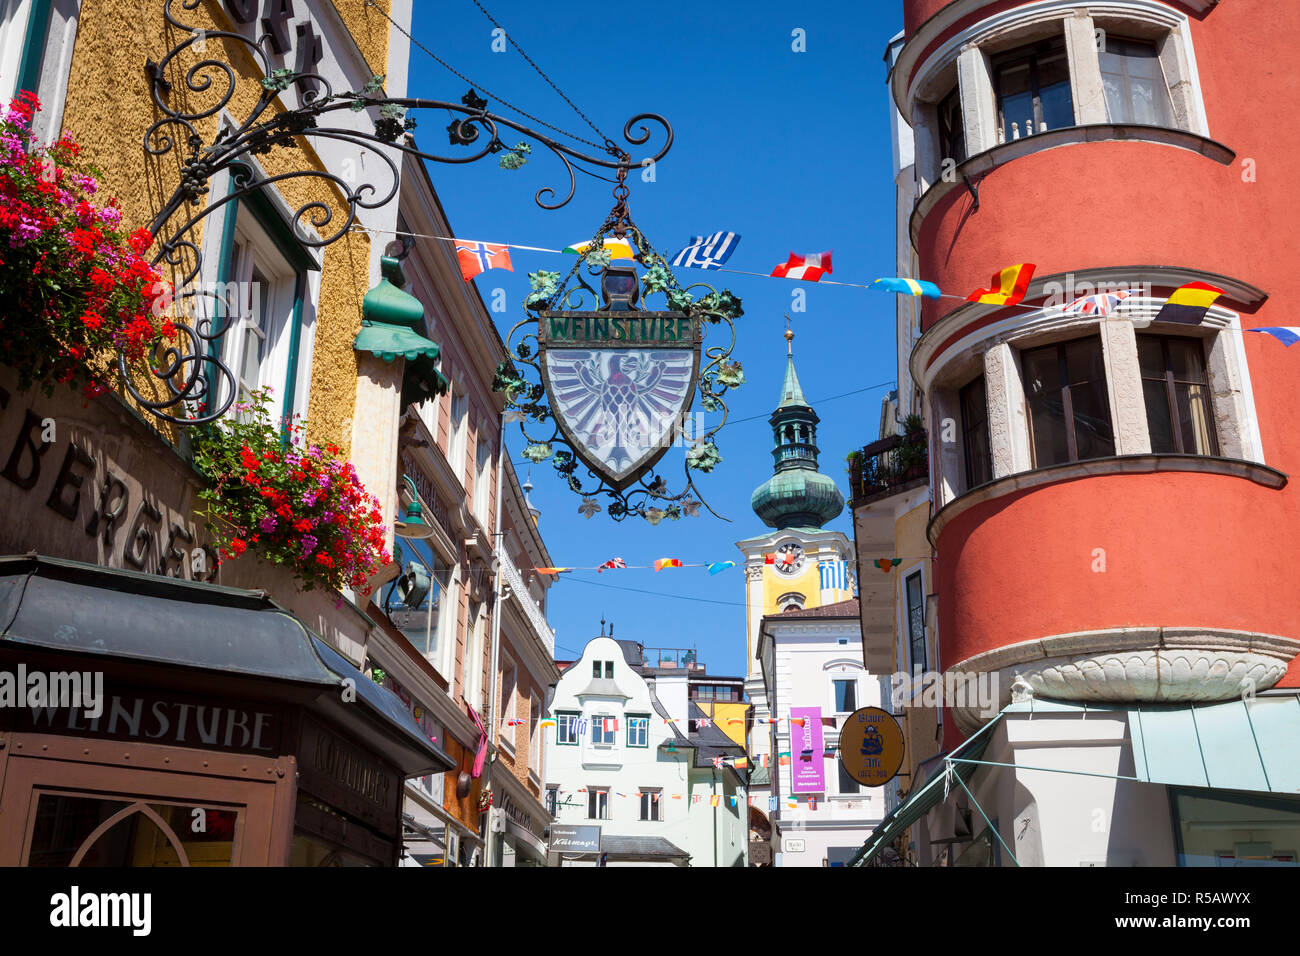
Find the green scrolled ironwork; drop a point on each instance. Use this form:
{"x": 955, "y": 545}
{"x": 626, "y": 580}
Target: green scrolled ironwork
{"x": 520, "y": 377}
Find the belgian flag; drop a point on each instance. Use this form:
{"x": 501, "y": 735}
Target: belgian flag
{"x": 1189, "y": 303}
{"x": 1008, "y": 286}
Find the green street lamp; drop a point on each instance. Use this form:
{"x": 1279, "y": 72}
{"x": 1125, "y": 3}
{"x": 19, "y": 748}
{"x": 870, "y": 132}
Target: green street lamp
{"x": 413, "y": 524}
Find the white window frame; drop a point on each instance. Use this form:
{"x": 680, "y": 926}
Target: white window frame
{"x": 567, "y": 724}
{"x": 472, "y": 675}
{"x": 535, "y": 737}
{"x": 642, "y": 721}
{"x": 997, "y": 349}
{"x": 594, "y": 808}
{"x": 58, "y": 43}
{"x": 483, "y": 474}
{"x": 509, "y": 704}
{"x": 253, "y": 250}
{"x": 605, "y": 740}
{"x": 458, "y": 429}
{"x": 648, "y": 802}
{"x": 965, "y": 56}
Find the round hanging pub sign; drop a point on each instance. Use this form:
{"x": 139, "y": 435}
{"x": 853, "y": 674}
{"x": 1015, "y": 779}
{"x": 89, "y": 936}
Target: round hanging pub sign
{"x": 871, "y": 746}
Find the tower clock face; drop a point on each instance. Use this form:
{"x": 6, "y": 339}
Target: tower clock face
{"x": 789, "y": 559}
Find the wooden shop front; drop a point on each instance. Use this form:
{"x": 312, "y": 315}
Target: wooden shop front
{"x": 223, "y": 732}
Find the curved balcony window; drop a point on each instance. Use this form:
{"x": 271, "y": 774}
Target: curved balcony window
{"x": 975, "y": 433}
{"x": 1177, "y": 394}
{"x": 1033, "y": 90}
{"x": 1135, "y": 84}
{"x": 1014, "y": 75}
{"x": 1069, "y": 410}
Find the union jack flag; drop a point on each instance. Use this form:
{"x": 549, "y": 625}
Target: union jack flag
{"x": 476, "y": 257}
{"x": 717, "y": 763}
{"x": 613, "y": 564}
{"x": 1102, "y": 303}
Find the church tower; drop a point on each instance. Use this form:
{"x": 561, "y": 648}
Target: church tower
{"x": 797, "y": 565}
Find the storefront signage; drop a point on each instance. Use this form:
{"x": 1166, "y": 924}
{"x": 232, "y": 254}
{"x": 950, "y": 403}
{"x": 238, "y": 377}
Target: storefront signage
{"x": 619, "y": 384}
{"x": 94, "y": 499}
{"x": 170, "y": 720}
{"x": 348, "y": 778}
{"x": 871, "y": 746}
{"x": 515, "y": 812}
{"x": 571, "y": 839}
{"x": 808, "y": 766}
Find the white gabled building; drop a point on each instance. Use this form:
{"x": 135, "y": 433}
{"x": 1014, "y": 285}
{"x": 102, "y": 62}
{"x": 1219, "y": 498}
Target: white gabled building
{"x": 627, "y": 756}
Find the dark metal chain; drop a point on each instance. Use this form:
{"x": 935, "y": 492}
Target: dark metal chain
{"x": 609, "y": 143}
{"x": 502, "y": 100}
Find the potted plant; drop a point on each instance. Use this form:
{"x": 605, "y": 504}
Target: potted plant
{"x": 75, "y": 287}
{"x": 911, "y": 457}
{"x": 854, "y": 460}
{"x": 301, "y": 507}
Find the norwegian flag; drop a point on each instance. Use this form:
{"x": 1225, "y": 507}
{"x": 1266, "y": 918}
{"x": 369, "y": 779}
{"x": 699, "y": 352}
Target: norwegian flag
{"x": 514, "y": 722}
{"x": 612, "y": 564}
{"x": 477, "y": 257}
{"x": 809, "y": 268}
{"x": 704, "y": 722}
{"x": 1102, "y": 303}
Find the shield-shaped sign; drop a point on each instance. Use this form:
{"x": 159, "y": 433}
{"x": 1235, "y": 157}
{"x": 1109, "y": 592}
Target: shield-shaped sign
{"x": 620, "y": 383}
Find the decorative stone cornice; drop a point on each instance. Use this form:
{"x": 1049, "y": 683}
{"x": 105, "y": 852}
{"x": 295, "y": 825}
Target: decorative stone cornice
{"x": 1132, "y": 665}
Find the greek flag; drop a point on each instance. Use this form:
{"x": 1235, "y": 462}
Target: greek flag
{"x": 771, "y": 803}
{"x": 834, "y": 575}
{"x": 707, "y": 252}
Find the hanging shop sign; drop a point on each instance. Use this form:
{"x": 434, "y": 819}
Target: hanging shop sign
{"x": 806, "y": 743}
{"x": 871, "y": 746}
{"x": 620, "y": 382}
{"x": 575, "y": 839}
{"x": 613, "y": 382}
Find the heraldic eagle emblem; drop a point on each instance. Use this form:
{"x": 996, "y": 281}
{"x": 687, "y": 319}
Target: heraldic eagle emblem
{"x": 620, "y": 406}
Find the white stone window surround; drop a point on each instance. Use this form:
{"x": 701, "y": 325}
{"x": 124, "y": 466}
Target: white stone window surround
{"x": 995, "y": 349}
{"x": 964, "y": 59}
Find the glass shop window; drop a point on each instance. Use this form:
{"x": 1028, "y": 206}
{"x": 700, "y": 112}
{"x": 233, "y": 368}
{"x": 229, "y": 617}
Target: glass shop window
{"x": 1214, "y": 828}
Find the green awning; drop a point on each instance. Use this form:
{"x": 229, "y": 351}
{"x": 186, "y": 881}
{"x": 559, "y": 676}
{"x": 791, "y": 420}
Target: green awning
{"x": 930, "y": 795}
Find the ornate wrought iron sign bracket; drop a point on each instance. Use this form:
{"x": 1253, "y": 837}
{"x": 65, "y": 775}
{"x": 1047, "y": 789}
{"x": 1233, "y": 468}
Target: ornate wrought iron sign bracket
{"x": 197, "y": 386}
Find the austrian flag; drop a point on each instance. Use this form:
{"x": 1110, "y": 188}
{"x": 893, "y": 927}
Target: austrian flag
{"x": 478, "y": 257}
{"x": 809, "y": 268}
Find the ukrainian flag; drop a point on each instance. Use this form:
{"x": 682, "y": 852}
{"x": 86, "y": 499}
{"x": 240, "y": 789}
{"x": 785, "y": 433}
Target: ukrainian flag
{"x": 1008, "y": 286}
{"x": 1189, "y": 303}
{"x": 907, "y": 287}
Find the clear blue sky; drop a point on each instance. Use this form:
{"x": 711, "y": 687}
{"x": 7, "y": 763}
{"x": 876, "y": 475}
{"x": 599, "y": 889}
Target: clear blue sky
{"x": 789, "y": 149}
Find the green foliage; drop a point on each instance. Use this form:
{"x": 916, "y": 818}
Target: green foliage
{"x": 303, "y": 508}
{"x": 703, "y": 456}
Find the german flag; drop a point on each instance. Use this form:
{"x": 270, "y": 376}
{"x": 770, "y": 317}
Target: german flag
{"x": 1189, "y": 303}
{"x": 1008, "y": 286}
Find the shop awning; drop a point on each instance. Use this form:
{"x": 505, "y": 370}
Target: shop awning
{"x": 642, "y": 849}
{"x": 525, "y": 841}
{"x": 1245, "y": 745}
{"x": 1234, "y": 745}
{"x": 921, "y": 801}
{"x": 153, "y": 621}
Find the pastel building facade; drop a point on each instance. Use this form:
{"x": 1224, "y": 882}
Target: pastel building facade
{"x": 1080, "y": 459}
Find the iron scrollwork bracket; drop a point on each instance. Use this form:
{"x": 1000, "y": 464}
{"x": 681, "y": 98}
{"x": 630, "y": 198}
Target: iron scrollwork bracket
{"x": 198, "y": 386}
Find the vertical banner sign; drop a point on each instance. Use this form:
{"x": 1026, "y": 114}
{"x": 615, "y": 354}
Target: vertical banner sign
{"x": 807, "y": 776}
